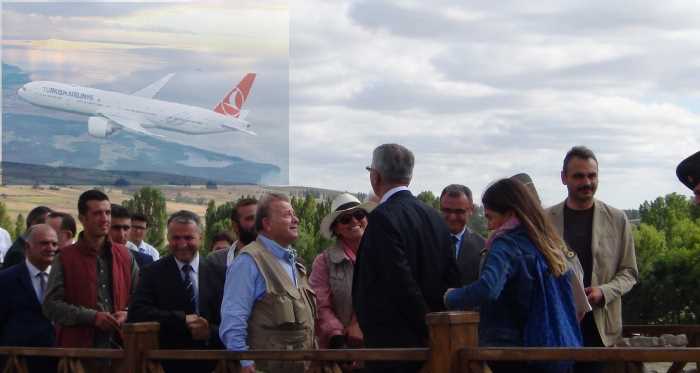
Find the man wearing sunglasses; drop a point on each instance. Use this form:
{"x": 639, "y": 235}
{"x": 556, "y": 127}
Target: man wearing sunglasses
{"x": 119, "y": 233}
{"x": 457, "y": 208}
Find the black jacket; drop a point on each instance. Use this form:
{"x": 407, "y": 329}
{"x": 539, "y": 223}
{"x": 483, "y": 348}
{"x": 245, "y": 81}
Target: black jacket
{"x": 469, "y": 257}
{"x": 15, "y": 254}
{"x": 160, "y": 296}
{"x": 404, "y": 266}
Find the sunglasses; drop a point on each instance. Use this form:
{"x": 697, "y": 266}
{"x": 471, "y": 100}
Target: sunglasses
{"x": 358, "y": 215}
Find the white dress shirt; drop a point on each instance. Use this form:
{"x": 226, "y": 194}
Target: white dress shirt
{"x": 195, "y": 276}
{"x": 147, "y": 249}
{"x": 391, "y": 192}
{"x": 5, "y": 243}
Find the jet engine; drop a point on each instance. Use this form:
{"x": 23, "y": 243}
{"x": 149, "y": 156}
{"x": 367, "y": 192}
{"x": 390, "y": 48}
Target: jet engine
{"x": 101, "y": 127}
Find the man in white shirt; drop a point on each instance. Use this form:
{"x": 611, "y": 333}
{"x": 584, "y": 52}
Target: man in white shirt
{"x": 139, "y": 227}
{"x": 5, "y": 243}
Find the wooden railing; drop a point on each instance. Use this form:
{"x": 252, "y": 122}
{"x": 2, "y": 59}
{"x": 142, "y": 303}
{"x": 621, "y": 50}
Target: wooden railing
{"x": 453, "y": 347}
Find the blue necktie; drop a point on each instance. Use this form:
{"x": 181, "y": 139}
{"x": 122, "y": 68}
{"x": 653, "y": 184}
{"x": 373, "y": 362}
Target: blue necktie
{"x": 189, "y": 286}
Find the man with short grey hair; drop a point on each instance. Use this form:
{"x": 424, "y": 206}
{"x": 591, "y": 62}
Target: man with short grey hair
{"x": 457, "y": 208}
{"x": 175, "y": 292}
{"x": 405, "y": 262}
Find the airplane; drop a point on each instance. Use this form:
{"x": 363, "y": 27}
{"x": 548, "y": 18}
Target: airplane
{"x": 138, "y": 112}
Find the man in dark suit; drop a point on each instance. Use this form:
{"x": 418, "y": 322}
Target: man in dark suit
{"x": 22, "y": 286}
{"x": 457, "y": 207}
{"x": 174, "y": 292}
{"x": 405, "y": 262}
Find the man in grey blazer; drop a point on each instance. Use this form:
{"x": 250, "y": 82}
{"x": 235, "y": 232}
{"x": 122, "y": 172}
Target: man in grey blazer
{"x": 602, "y": 238}
{"x": 457, "y": 207}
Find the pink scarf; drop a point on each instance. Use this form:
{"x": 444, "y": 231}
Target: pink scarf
{"x": 349, "y": 252}
{"x": 510, "y": 224}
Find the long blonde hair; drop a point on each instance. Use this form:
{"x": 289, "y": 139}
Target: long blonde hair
{"x": 508, "y": 195}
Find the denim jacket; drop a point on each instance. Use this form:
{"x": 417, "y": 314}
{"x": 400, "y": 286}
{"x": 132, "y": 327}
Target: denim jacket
{"x": 521, "y": 303}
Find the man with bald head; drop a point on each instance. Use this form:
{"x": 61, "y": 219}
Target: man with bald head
{"x": 22, "y": 286}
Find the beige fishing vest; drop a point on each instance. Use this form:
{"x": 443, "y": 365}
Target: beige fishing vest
{"x": 284, "y": 318}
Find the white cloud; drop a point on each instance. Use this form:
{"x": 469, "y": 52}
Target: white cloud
{"x": 482, "y": 90}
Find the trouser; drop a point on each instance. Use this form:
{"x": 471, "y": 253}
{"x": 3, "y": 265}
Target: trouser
{"x": 591, "y": 338}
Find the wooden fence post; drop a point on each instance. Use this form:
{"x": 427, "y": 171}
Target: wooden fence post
{"x": 139, "y": 338}
{"x": 450, "y": 332}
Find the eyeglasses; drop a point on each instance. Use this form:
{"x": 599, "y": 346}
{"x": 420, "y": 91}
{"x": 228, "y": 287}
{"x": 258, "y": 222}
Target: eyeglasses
{"x": 357, "y": 214}
{"x": 121, "y": 227}
{"x": 446, "y": 211}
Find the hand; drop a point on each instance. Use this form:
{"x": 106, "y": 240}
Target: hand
{"x": 248, "y": 369}
{"x": 199, "y": 328}
{"x": 106, "y": 322}
{"x": 120, "y": 316}
{"x": 594, "y": 295}
{"x": 354, "y": 335}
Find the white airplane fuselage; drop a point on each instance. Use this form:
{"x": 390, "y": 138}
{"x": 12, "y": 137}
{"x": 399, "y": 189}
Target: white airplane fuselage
{"x": 147, "y": 112}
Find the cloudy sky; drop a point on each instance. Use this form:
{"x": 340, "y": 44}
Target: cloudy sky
{"x": 481, "y": 90}
{"x": 478, "y": 90}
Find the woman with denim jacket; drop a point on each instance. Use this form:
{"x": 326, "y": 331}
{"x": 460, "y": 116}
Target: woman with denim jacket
{"x": 523, "y": 292}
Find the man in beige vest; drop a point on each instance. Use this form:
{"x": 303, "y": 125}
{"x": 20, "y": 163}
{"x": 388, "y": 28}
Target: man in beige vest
{"x": 602, "y": 238}
{"x": 267, "y": 302}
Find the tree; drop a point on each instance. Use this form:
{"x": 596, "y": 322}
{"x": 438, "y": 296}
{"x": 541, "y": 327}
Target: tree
{"x": 429, "y": 199}
{"x": 20, "y": 225}
{"x": 5, "y": 221}
{"x": 667, "y": 243}
{"x": 216, "y": 220}
{"x": 150, "y": 202}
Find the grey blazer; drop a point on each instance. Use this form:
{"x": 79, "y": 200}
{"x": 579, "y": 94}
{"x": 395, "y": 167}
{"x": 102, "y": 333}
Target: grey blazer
{"x": 614, "y": 264}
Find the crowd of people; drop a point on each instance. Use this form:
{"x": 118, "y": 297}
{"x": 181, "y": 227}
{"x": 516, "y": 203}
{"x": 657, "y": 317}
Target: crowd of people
{"x": 543, "y": 277}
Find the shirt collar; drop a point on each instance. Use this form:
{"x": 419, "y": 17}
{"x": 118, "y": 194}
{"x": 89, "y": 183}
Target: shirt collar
{"x": 194, "y": 263}
{"x": 460, "y": 234}
{"x": 391, "y": 192}
{"x": 276, "y": 249}
{"x": 33, "y": 271}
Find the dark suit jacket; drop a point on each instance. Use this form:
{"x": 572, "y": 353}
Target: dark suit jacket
{"x": 216, "y": 277}
{"x": 141, "y": 259}
{"x": 15, "y": 254}
{"x": 160, "y": 296}
{"x": 404, "y": 266}
{"x": 22, "y": 322}
{"x": 469, "y": 257}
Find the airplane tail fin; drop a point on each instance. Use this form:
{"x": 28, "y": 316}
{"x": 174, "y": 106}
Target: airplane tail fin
{"x": 240, "y": 94}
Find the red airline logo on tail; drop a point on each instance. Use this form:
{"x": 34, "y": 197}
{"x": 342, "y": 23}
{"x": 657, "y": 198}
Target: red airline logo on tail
{"x": 240, "y": 94}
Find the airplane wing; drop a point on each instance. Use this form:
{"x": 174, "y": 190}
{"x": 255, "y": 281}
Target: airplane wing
{"x": 152, "y": 90}
{"x": 128, "y": 124}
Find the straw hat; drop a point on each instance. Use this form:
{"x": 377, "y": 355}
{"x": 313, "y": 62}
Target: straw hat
{"x": 341, "y": 204}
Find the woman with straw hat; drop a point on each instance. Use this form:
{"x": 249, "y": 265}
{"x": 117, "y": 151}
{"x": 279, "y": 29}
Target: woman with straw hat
{"x": 332, "y": 271}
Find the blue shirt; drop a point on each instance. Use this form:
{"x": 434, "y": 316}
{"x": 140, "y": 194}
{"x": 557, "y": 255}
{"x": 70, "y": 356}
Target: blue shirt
{"x": 243, "y": 287}
{"x": 458, "y": 244}
{"x": 194, "y": 277}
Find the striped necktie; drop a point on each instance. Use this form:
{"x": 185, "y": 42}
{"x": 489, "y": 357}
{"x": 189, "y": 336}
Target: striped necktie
{"x": 42, "y": 285}
{"x": 189, "y": 286}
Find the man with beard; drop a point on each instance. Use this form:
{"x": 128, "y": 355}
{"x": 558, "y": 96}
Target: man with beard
{"x": 602, "y": 238}
{"x": 174, "y": 292}
{"x": 243, "y": 225}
